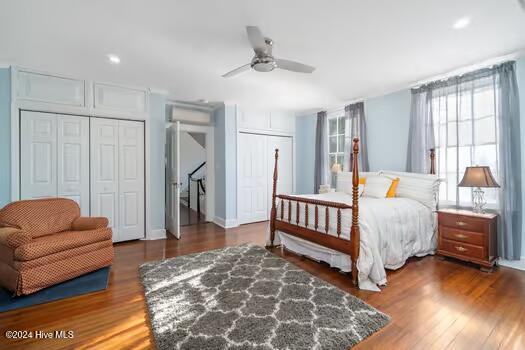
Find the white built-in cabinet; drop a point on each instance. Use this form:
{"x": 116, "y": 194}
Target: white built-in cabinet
{"x": 98, "y": 162}
{"x": 256, "y": 157}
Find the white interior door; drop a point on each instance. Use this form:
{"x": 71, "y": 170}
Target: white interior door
{"x": 253, "y": 181}
{"x": 131, "y": 180}
{"x": 38, "y": 155}
{"x": 73, "y": 159}
{"x": 284, "y": 166}
{"x": 104, "y": 171}
{"x": 173, "y": 182}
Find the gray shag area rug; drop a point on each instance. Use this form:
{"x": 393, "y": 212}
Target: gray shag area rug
{"x": 245, "y": 297}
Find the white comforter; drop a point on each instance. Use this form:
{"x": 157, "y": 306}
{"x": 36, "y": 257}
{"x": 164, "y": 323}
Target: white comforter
{"x": 392, "y": 230}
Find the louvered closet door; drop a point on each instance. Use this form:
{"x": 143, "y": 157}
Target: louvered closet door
{"x": 253, "y": 181}
{"x": 131, "y": 180}
{"x": 104, "y": 171}
{"x": 73, "y": 159}
{"x": 38, "y": 155}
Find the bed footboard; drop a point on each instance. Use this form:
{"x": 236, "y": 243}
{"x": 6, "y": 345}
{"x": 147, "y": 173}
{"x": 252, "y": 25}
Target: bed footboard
{"x": 310, "y": 230}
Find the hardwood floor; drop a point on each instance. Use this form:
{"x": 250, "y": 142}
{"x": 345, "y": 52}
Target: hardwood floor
{"x": 433, "y": 303}
{"x": 190, "y": 217}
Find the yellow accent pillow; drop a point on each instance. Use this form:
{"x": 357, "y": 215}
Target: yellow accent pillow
{"x": 392, "y": 190}
{"x": 362, "y": 180}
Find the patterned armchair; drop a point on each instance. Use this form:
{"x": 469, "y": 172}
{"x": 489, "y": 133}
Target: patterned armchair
{"x": 45, "y": 241}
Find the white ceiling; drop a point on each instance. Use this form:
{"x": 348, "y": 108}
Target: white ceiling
{"x": 360, "y": 48}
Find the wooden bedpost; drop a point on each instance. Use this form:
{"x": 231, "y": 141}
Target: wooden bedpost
{"x": 354, "y": 233}
{"x": 273, "y": 212}
{"x": 432, "y": 161}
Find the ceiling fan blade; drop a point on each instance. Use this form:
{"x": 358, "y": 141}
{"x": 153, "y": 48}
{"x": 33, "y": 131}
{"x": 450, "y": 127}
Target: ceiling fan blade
{"x": 294, "y": 66}
{"x": 237, "y": 71}
{"x": 256, "y": 39}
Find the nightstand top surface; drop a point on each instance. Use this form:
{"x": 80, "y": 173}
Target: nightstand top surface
{"x": 467, "y": 213}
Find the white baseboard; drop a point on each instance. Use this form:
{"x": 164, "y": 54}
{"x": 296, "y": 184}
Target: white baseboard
{"x": 156, "y": 234}
{"x": 515, "y": 264}
{"x": 230, "y": 223}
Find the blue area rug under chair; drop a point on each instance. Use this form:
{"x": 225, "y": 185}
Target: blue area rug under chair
{"x": 88, "y": 283}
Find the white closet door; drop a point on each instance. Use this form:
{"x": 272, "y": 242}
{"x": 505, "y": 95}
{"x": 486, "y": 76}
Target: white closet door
{"x": 253, "y": 181}
{"x": 73, "y": 159}
{"x": 131, "y": 180}
{"x": 284, "y": 166}
{"x": 104, "y": 171}
{"x": 38, "y": 155}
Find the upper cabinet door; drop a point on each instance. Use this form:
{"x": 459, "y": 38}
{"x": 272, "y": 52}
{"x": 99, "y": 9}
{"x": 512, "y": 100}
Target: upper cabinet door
{"x": 73, "y": 160}
{"x": 104, "y": 171}
{"x": 131, "y": 180}
{"x": 116, "y": 98}
{"x": 282, "y": 121}
{"x": 51, "y": 89}
{"x": 38, "y": 155}
{"x": 254, "y": 120}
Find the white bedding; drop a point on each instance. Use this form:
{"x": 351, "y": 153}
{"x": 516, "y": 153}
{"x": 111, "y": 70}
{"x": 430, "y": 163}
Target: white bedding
{"x": 392, "y": 230}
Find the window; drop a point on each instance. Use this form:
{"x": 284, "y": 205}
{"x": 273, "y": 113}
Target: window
{"x": 465, "y": 129}
{"x": 336, "y": 140}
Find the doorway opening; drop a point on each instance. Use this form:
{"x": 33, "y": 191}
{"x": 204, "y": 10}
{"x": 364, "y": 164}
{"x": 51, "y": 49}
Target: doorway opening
{"x": 189, "y": 176}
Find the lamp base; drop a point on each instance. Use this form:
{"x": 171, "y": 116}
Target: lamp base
{"x": 478, "y": 201}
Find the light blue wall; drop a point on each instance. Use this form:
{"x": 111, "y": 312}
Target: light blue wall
{"x": 225, "y": 151}
{"x": 5, "y": 136}
{"x": 520, "y": 75}
{"x": 305, "y": 144}
{"x": 157, "y": 136}
{"x": 387, "y": 120}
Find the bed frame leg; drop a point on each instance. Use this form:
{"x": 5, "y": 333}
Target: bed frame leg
{"x": 273, "y": 211}
{"x": 354, "y": 232}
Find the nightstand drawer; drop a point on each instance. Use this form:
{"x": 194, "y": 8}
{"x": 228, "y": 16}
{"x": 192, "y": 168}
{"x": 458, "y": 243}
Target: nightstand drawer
{"x": 453, "y": 234}
{"x": 467, "y": 250}
{"x": 462, "y": 222}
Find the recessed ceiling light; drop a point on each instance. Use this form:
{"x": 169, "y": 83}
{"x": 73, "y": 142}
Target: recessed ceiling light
{"x": 114, "y": 59}
{"x": 461, "y": 23}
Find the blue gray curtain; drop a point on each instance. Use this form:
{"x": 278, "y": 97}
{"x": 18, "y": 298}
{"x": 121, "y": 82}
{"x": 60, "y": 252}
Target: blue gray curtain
{"x": 509, "y": 161}
{"x": 355, "y": 121}
{"x": 421, "y": 131}
{"x": 321, "y": 152}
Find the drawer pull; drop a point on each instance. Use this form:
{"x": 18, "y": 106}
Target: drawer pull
{"x": 461, "y": 223}
{"x": 461, "y": 249}
{"x": 460, "y": 235}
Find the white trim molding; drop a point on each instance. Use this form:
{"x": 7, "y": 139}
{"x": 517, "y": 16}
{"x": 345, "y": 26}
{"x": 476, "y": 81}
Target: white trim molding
{"x": 230, "y": 223}
{"x": 155, "y": 234}
{"x": 514, "y": 264}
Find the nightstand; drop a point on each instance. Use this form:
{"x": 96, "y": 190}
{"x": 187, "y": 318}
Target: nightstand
{"x": 468, "y": 236}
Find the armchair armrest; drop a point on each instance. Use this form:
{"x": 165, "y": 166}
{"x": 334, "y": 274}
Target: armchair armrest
{"x": 87, "y": 223}
{"x": 13, "y": 237}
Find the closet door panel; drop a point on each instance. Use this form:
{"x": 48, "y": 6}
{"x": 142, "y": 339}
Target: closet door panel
{"x": 253, "y": 184}
{"x": 73, "y": 160}
{"x": 38, "y": 155}
{"x": 131, "y": 180}
{"x": 284, "y": 166}
{"x": 104, "y": 171}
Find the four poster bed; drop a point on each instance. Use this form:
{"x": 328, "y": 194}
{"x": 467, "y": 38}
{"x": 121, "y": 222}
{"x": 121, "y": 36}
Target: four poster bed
{"x": 331, "y": 224}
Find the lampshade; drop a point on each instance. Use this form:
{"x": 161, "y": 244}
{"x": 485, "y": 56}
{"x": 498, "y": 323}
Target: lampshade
{"x": 336, "y": 168}
{"x": 478, "y": 176}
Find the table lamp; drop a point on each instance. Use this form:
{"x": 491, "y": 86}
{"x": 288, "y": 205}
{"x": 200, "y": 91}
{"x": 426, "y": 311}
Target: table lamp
{"x": 478, "y": 177}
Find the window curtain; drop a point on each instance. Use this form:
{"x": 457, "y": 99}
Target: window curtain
{"x": 473, "y": 119}
{"x": 321, "y": 152}
{"x": 421, "y": 131}
{"x": 356, "y": 124}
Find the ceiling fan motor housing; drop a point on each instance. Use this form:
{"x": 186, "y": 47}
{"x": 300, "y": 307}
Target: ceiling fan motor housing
{"x": 263, "y": 64}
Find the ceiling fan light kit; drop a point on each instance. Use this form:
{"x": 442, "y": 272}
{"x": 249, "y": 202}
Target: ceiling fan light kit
{"x": 263, "y": 61}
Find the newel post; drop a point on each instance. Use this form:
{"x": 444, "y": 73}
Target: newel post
{"x": 354, "y": 233}
{"x": 273, "y": 212}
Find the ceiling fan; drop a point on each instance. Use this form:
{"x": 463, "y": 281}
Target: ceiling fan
{"x": 263, "y": 61}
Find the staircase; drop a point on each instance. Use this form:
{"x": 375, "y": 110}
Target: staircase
{"x": 196, "y": 184}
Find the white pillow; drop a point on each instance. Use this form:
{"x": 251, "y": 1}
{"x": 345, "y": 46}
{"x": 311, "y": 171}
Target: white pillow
{"x": 344, "y": 181}
{"x": 377, "y": 186}
{"x": 423, "y": 188}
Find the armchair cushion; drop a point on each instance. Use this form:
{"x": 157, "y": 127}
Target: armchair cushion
{"x": 13, "y": 237}
{"x": 88, "y": 223}
{"x": 39, "y": 217}
{"x": 57, "y": 242}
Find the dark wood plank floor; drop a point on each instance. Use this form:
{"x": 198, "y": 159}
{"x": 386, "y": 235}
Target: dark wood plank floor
{"x": 434, "y": 304}
{"x": 190, "y": 217}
